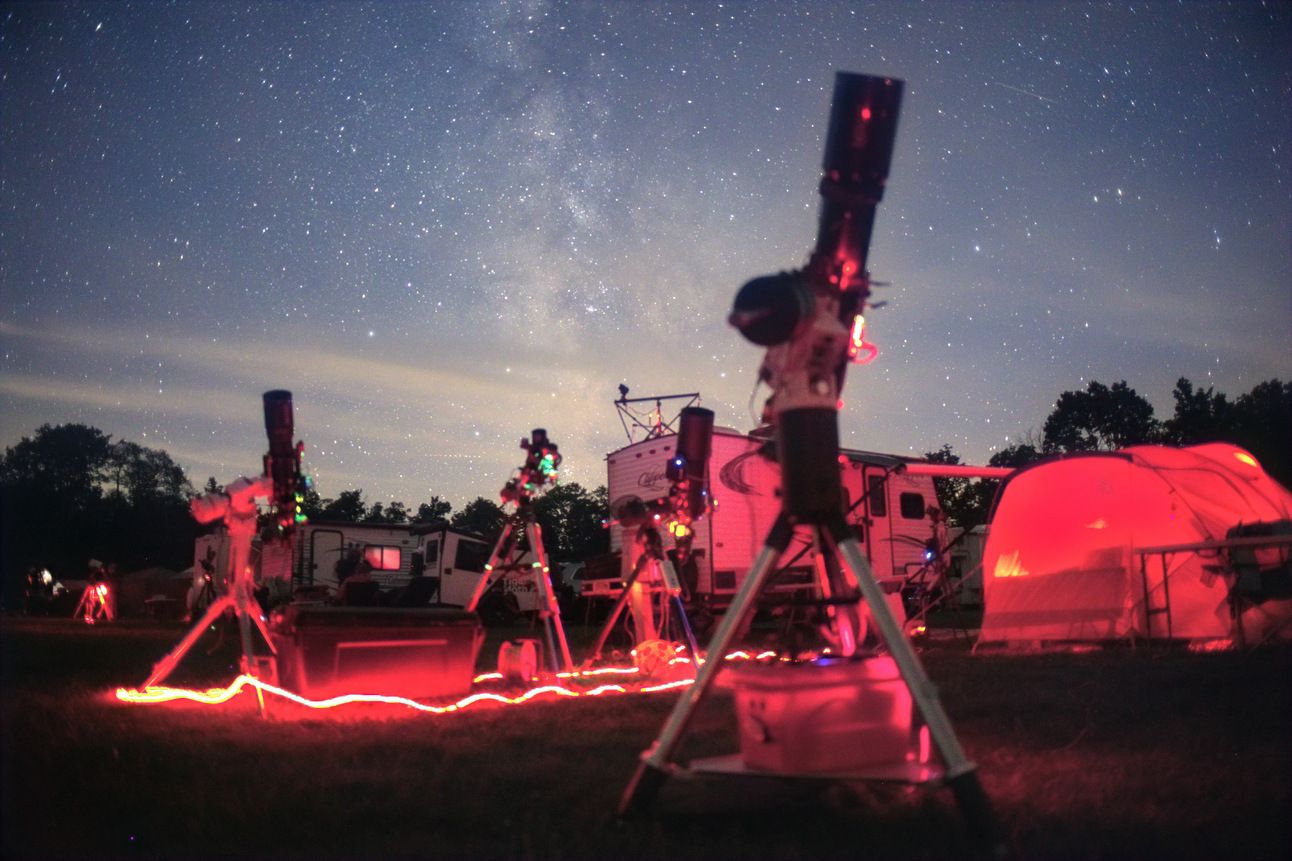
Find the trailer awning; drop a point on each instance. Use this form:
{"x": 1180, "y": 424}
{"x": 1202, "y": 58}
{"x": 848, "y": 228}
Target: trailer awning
{"x": 955, "y": 470}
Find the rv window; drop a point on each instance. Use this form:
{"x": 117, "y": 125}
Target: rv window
{"x": 876, "y": 498}
{"x": 382, "y": 558}
{"x": 913, "y": 506}
{"x": 432, "y": 551}
{"x": 471, "y": 555}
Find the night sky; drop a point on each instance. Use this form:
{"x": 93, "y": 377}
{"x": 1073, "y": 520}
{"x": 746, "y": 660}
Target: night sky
{"x": 441, "y": 225}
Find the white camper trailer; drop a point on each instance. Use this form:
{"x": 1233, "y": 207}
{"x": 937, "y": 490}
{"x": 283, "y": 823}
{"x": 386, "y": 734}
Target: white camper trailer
{"x": 210, "y": 556}
{"x": 886, "y": 506}
{"x": 455, "y": 557}
{"x": 320, "y": 545}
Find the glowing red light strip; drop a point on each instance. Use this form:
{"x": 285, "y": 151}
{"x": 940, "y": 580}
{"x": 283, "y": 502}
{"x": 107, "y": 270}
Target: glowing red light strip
{"x": 216, "y": 696}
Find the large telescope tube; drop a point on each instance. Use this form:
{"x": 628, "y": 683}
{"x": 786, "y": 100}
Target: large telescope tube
{"x": 858, "y": 154}
{"x": 282, "y": 463}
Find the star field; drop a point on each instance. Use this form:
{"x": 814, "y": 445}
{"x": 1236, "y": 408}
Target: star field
{"x": 441, "y": 225}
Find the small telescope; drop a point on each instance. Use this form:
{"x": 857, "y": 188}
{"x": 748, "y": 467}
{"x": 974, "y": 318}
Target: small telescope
{"x": 688, "y": 496}
{"x": 542, "y": 459}
{"x": 283, "y": 462}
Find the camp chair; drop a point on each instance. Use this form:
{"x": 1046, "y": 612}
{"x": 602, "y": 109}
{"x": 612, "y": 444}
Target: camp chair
{"x": 1258, "y": 574}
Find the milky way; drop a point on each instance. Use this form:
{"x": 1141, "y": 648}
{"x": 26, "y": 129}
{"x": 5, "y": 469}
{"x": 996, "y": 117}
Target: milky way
{"x": 441, "y": 225}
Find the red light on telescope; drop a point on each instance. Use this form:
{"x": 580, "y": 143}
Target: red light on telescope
{"x": 859, "y": 350}
{"x": 865, "y": 113}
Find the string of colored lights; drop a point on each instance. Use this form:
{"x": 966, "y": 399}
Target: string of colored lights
{"x": 216, "y": 696}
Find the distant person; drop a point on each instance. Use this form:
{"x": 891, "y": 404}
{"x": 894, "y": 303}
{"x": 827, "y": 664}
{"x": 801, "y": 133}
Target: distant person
{"x": 347, "y": 564}
{"x": 359, "y": 589}
{"x": 39, "y": 593}
{"x": 113, "y": 578}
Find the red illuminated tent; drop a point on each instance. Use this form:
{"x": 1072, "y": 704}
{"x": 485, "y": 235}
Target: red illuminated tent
{"x": 1149, "y": 542}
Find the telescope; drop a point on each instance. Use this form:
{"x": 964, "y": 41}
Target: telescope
{"x": 812, "y": 320}
{"x": 284, "y": 484}
{"x": 283, "y": 462}
{"x": 772, "y": 309}
{"x": 542, "y": 458}
{"x": 812, "y": 323}
{"x": 688, "y": 497}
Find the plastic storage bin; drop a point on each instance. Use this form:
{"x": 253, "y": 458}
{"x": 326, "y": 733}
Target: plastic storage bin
{"x": 415, "y": 653}
{"x": 826, "y": 716}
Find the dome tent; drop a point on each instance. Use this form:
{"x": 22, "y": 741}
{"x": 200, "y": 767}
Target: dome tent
{"x": 1066, "y": 552}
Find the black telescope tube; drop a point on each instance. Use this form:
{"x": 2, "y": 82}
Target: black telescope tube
{"x": 694, "y": 441}
{"x": 281, "y": 463}
{"x": 858, "y": 154}
{"x": 278, "y": 422}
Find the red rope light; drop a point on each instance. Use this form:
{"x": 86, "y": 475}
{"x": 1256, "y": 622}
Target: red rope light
{"x": 216, "y": 696}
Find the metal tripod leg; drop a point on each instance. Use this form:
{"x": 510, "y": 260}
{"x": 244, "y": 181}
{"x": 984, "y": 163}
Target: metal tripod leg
{"x": 167, "y": 664}
{"x": 962, "y": 775}
{"x": 494, "y": 558}
{"x": 548, "y": 606}
{"x": 620, "y": 603}
{"x": 674, "y": 588}
{"x": 655, "y": 764}
{"x": 842, "y": 618}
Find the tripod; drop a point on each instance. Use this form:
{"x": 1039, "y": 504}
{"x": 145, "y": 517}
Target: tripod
{"x": 853, "y": 584}
{"x": 655, "y": 565}
{"x": 939, "y": 589}
{"x": 204, "y": 597}
{"x": 95, "y": 604}
{"x": 238, "y": 507}
{"x": 505, "y": 560}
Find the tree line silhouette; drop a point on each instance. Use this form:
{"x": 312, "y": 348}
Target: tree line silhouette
{"x": 69, "y": 492}
{"x": 1105, "y": 418}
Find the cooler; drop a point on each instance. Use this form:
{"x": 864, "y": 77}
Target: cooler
{"x": 418, "y": 653}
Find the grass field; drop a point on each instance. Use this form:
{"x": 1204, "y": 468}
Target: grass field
{"x": 1152, "y": 753}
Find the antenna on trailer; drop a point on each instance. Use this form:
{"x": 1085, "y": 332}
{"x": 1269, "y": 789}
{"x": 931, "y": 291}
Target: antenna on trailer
{"x": 649, "y": 421}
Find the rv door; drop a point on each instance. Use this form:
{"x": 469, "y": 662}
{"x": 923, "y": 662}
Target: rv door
{"x": 461, "y": 567}
{"x": 325, "y": 552}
